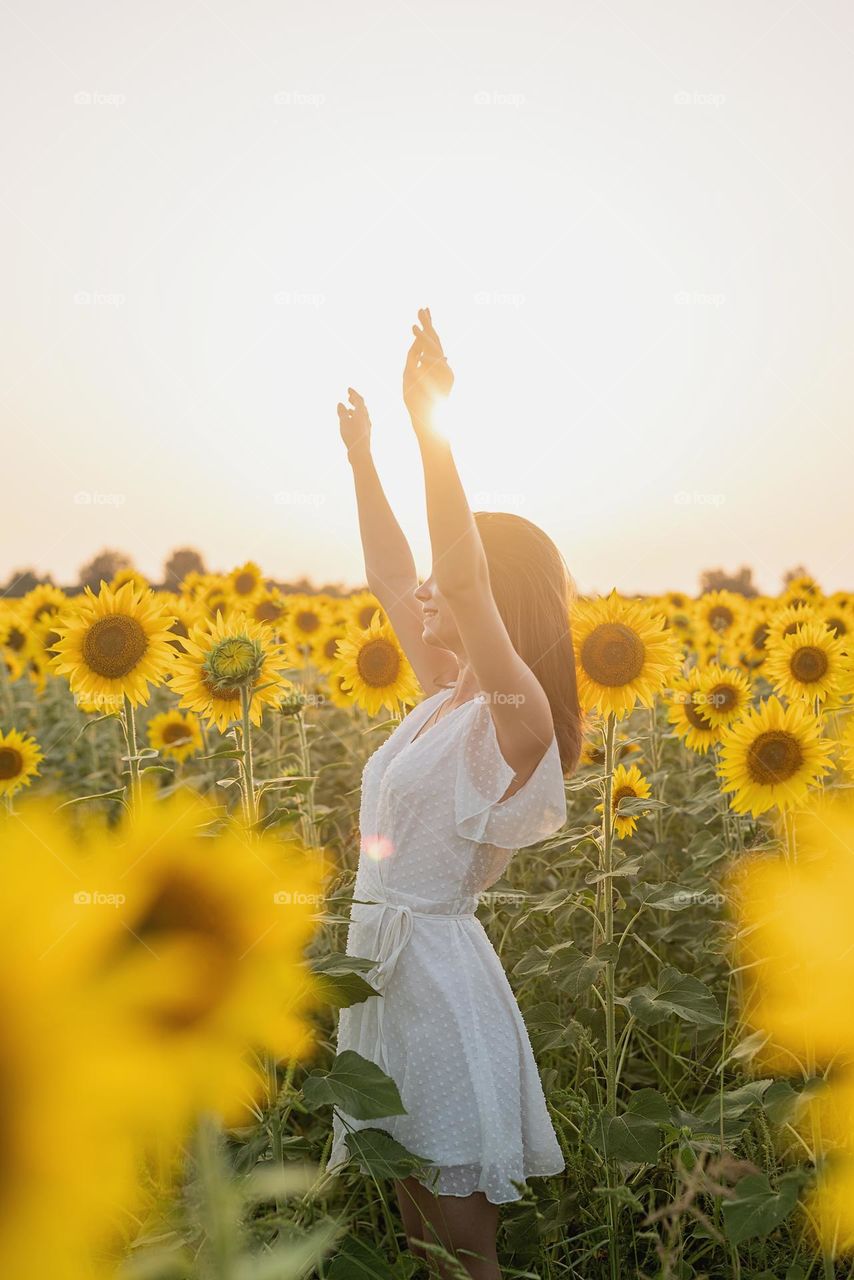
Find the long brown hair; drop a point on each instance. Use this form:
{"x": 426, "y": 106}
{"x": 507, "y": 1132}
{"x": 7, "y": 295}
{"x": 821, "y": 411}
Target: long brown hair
{"x": 533, "y": 590}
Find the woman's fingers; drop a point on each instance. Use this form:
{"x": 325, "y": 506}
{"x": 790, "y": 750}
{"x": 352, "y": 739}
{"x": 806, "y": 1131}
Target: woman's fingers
{"x": 355, "y": 399}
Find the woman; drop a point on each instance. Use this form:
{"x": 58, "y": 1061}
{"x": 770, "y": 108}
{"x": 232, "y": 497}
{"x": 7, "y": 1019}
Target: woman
{"x": 472, "y": 773}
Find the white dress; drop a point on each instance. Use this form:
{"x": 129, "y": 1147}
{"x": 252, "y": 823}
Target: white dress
{"x": 447, "y": 1028}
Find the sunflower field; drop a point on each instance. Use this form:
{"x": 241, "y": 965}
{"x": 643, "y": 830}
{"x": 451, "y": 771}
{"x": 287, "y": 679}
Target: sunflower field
{"x": 180, "y": 782}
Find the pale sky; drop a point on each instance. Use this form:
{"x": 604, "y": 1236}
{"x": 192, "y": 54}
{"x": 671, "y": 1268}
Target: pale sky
{"x": 633, "y": 222}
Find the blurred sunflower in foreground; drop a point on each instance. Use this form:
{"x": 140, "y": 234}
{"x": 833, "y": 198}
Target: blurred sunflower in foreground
{"x": 20, "y": 756}
{"x": 794, "y": 945}
{"x": 163, "y": 955}
{"x": 624, "y": 654}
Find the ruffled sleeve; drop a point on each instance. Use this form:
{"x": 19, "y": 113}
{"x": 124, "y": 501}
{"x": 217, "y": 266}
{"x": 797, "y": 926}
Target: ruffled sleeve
{"x": 535, "y": 811}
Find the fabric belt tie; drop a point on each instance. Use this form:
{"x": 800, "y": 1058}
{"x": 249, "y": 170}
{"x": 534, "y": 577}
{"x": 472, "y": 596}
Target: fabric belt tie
{"x": 393, "y": 938}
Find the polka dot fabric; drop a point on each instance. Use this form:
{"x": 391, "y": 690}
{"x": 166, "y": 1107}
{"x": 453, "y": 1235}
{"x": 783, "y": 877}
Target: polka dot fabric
{"x": 446, "y": 1027}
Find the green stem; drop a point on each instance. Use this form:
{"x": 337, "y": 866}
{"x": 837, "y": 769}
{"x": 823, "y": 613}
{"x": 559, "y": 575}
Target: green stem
{"x": 610, "y": 967}
{"x": 129, "y": 724}
{"x": 309, "y": 818}
{"x": 249, "y": 798}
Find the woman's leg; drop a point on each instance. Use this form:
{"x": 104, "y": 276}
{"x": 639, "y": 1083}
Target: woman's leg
{"x": 465, "y": 1226}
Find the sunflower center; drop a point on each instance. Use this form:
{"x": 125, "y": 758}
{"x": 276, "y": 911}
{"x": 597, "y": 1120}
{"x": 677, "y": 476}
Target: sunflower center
{"x": 720, "y": 617}
{"x": 365, "y": 615}
{"x": 268, "y": 611}
{"x": 809, "y": 664}
{"x": 114, "y": 645}
{"x": 760, "y": 635}
{"x": 16, "y": 639}
{"x": 176, "y": 732}
{"x": 178, "y": 910}
{"x": 836, "y": 625}
{"x": 774, "y": 757}
{"x": 623, "y": 793}
{"x": 244, "y": 584}
{"x": 330, "y": 649}
{"x": 307, "y": 621}
{"x": 723, "y": 697}
{"x": 11, "y": 763}
{"x": 694, "y": 716}
{"x": 233, "y": 662}
{"x": 613, "y": 654}
{"x": 378, "y": 663}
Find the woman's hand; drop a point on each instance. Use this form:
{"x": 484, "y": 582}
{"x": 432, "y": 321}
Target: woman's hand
{"x": 355, "y": 425}
{"x": 427, "y": 376}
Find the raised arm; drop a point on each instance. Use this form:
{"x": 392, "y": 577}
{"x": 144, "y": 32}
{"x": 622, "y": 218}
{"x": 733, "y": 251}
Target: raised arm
{"x": 389, "y": 566}
{"x": 519, "y": 706}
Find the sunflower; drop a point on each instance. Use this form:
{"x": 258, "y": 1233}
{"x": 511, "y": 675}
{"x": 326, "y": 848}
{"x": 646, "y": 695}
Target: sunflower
{"x": 20, "y": 756}
{"x": 374, "y": 667}
{"x": 270, "y": 608}
{"x": 720, "y": 611}
{"x": 361, "y": 607}
{"x": 810, "y": 663}
{"x": 13, "y": 633}
{"x": 201, "y": 952}
{"x": 788, "y": 619}
{"x": 324, "y": 650}
{"x": 751, "y": 642}
{"x": 114, "y": 645}
{"x": 221, "y": 659}
{"x": 175, "y": 735}
{"x": 772, "y": 756}
{"x": 42, "y": 603}
{"x": 626, "y": 784}
{"x": 13, "y": 664}
{"x": 245, "y": 584}
{"x": 687, "y": 711}
{"x": 137, "y": 579}
{"x": 802, "y": 589}
{"x": 623, "y": 652}
{"x": 727, "y": 693}
{"x": 837, "y": 618}
{"x": 306, "y": 618}
{"x": 337, "y": 695}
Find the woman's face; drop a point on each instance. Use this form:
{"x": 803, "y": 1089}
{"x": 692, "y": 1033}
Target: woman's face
{"x": 440, "y": 628}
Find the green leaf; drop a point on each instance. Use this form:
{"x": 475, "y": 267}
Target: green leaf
{"x": 341, "y": 980}
{"x": 677, "y": 995}
{"x": 756, "y": 1209}
{"x": 383, "y": 1155}
{"x": 359, "y": 1261}
{"x": 573, "y": 971}
{"x": 356, "y": 1086}
{"x": 626, "y": 1137}
{"x": 549, "y": 1028}
{"x": 652, "y": 1105}
{"x": 733, "y": 1103}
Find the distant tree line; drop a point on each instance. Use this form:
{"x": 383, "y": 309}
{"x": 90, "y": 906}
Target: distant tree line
{"x": 107, "y": 563}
